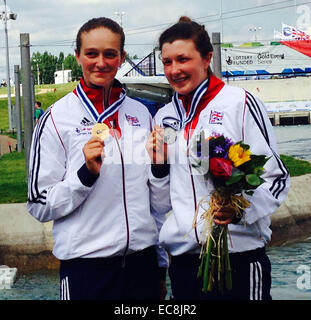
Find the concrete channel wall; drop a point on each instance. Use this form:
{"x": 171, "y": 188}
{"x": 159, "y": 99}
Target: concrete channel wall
{"x": 277, "y": 90}
{"x": 26, "y": 243}
{"x": 291, "y": 222}
{"x": 283, "y": 92}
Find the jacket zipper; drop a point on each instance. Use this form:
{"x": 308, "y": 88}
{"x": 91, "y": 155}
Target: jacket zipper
{"x": 192, "y": 182}
{"x": 124, "y": 198}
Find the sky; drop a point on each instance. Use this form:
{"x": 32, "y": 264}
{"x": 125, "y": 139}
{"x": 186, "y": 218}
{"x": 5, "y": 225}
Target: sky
{"x": 53, "y": 25}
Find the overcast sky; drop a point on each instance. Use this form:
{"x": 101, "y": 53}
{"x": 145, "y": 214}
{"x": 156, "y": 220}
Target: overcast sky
{"x": 53, "y": 24}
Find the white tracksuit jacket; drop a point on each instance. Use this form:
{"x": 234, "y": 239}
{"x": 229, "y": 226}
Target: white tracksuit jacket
{"x": 238, "y": 115}
{"x": 111, "y": 216}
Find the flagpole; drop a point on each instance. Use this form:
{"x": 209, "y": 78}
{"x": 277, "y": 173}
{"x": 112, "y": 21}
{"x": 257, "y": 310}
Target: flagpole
{"x": 221, "y": 24}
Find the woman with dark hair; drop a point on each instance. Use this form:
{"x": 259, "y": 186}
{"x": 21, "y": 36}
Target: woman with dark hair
{"x": 88, "y": 175}
{"x": 202, "y": 102}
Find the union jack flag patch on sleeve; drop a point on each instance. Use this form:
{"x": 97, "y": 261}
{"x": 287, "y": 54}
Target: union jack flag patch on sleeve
{"x": 216, "y": 117}
{"x": 132, "y": 120}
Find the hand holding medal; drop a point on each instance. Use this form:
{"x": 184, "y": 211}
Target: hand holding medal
{"x": 94, "y": 149}
{"x": 157, "y": 146}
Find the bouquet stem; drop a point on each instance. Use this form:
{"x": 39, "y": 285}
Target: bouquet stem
{"x": 215, "y": 262}
{"x": 234, "y": 171}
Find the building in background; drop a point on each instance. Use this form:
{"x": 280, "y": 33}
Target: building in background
{"x": 62, "y": 76}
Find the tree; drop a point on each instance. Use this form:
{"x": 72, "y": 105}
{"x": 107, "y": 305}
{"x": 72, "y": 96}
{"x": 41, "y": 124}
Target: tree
{"x": 70, "y": 62}
{"x": 60, "y": 61}
{"x": 36, "y": 66}
{"x": 49, "y": 63}
{"x": 46, "y": 64}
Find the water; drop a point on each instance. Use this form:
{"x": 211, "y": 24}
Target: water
{"x": 285, "y": 262}
{"x": 43, "y": 285}
{"x": 287, "y": 282}
{"x": 294, "y": 140}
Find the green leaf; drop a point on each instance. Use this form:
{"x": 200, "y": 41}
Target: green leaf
{"x": 253, "y": 179}
{"x": 243, "y": 145}
{"x": 246, "y": 167}
{"x": 259, "y": 171}
{"x": 259, "y": 160}
{"x": 236, "y": 176}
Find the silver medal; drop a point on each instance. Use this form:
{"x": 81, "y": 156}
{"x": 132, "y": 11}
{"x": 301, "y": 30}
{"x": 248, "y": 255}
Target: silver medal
{"x": 169, "y": 135}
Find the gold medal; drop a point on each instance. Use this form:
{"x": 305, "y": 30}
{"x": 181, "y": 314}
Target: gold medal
{"x": 100, "y": 130}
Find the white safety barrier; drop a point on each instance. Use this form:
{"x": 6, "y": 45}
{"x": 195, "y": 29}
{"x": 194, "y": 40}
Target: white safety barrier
{"x": 7, "y": 277}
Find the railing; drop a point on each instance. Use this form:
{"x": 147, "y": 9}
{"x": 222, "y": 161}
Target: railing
{"x": 146, "y": 67}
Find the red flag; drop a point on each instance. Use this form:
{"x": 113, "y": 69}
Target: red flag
{"x": 303, "y": 46}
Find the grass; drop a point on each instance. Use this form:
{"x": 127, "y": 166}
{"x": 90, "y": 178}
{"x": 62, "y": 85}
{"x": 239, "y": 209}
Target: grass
{"x": 50, "y": 97}
{"x": 47, "y": 98}
{"x": 4, "y": 90}
{"x": 295, "y": 166}
{"x": 13, "y": 186}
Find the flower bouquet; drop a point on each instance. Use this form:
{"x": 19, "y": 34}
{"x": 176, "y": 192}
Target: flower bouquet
{"x": 234, "y": 171}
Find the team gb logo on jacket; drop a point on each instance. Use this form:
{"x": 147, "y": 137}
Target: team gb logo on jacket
{"x": 216, "y": 117}
{"x": 132, "y": 120}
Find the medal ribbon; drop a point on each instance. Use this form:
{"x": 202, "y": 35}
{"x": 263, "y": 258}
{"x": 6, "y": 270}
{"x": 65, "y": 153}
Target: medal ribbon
{"x": 180, "y": 110}
{"x": 87, "y": 103}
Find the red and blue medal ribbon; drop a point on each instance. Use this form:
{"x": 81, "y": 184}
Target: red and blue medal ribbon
{"x": 89, "y": 106}
{"x": 179, "y": 108}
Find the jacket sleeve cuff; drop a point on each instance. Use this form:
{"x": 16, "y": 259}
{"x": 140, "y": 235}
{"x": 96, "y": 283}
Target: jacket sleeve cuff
{"x": 86, "y": 177}
{"x": 160, "y": 170}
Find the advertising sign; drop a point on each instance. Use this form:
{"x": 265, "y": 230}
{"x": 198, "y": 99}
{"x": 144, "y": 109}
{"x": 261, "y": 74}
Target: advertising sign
{"x": 270, "y": 59}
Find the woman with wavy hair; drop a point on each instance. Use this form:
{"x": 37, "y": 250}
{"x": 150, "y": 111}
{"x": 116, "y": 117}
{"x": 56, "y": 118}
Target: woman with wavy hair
{"x": 202, "y": 102}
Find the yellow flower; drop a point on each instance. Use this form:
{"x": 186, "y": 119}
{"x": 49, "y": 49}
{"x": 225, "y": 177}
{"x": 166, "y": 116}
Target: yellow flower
{"x": 238, "y": 155}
